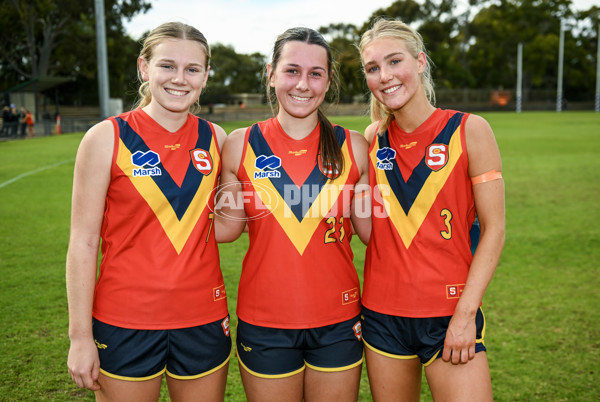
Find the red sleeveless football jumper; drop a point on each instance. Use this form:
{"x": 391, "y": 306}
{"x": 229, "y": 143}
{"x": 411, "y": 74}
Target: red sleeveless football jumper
{"x": 419, "y": 253}
{"x": 298, "y": 272}
{"x": 160, "y": 262}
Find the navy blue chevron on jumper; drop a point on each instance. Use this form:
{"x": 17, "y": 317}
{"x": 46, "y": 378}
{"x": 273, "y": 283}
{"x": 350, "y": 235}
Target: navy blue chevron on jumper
{"x": 179, "y": 197}
{"x": 309, "y": 190}
{"x": 406, "y": 192}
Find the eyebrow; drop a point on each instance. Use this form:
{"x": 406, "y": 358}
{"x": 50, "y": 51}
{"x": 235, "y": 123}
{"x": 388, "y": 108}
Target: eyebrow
{"x": 311, "y": 68}
{"x": 386, "y": 57}
{"x": 167, "y": 60}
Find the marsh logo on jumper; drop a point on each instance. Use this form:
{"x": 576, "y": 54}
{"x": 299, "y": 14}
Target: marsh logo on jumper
{"x": 268, "y": 166}
{"x": 146, "y": 162}
{"x": 385, "y": 156}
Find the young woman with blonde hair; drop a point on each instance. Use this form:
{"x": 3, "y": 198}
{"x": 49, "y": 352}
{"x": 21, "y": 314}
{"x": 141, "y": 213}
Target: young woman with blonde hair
{"x": 432, "y": 172}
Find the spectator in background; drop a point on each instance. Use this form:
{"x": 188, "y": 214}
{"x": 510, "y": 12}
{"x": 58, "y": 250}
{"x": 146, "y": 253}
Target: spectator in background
{"x": 22, "y": 116}
{"x": 12, "y": 121}
{"x": 5, "y": 119}
{"x": 29, "y": 123}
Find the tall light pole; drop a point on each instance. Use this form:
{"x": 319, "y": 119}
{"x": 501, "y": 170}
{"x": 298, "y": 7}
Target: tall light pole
{"x": 561, "y": 56}
{"x": 102, "y": 58}
{"x": 597, "y": 108}
{"x": 519, "y": 76}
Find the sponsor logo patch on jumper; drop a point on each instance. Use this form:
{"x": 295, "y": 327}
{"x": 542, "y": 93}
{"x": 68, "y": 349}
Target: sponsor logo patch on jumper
{"x": 454, "y": 291}
{"x": 385, "y": 156}
{"x": 147, "y": 164}
{"x": 267, "y": 166}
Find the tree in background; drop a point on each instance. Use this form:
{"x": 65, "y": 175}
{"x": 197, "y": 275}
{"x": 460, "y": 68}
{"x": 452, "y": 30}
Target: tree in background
{"x": 473, "y": 44}
{"x": 499, "y": 28}
{"x": 442, "y": 32}
{"x": 58, "y": 38}
{"x": 232, "y": 73}
{"x": 582, "y": 51}
{"x": 342, "y": 39}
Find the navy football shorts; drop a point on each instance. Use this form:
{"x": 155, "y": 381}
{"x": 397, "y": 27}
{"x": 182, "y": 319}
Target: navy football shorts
{"x": 185, "y": 353}
{"x": 411, "y": 338}
{"x": 275, "y": 353}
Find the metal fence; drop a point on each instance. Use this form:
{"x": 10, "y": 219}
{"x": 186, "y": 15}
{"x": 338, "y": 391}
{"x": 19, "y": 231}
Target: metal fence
{"x": 81, "y": 119}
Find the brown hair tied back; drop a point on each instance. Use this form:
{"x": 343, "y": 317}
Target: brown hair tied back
{"x": 329, "y": 148}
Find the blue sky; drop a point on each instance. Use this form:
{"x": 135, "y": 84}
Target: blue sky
{"x": 253, "y": 25}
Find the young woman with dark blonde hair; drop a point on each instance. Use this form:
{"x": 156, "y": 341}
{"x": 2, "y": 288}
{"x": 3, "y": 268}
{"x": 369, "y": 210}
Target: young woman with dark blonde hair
{"x": 143, "y": 188}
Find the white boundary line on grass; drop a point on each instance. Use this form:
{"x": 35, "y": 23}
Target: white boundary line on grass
{"x": 19, "y": 177}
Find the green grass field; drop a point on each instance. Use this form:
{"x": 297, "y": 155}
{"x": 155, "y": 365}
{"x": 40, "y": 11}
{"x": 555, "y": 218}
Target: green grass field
{"x": 543, "y": 327}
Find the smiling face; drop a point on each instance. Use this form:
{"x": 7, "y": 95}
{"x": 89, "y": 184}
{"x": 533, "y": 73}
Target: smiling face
{"x": 176, "y": 73}
{"x": 393, "y": 74}
{"x": 300, "y": 78}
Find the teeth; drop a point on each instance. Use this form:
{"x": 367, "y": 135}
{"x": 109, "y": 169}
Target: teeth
{"x": 177, "y": 93}
{"x": 299, "y": 98}
{"x": 390, "y": 90}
